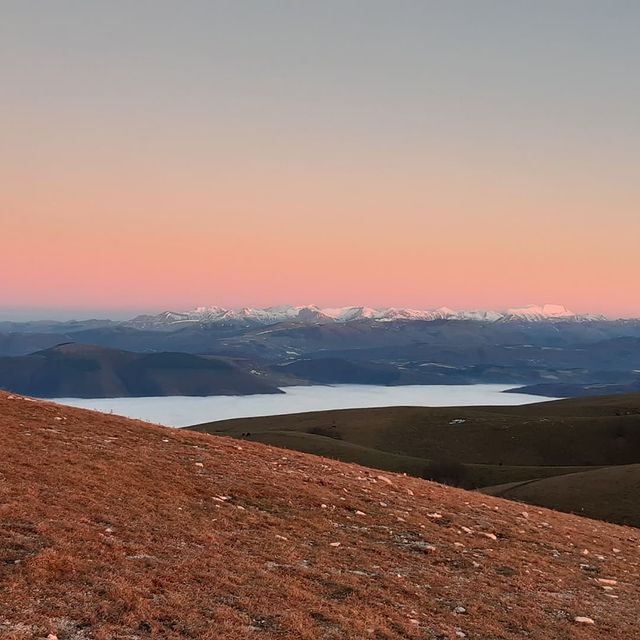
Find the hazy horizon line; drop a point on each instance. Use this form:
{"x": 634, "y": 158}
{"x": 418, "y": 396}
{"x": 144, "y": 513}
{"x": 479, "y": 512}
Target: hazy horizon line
{"x": 65, "y": 313}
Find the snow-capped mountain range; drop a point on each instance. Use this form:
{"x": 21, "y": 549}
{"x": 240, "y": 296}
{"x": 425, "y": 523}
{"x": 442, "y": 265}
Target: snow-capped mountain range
{"x": 312, "y": 314}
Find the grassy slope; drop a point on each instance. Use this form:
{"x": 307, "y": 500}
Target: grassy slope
{"x": 609, "y": 494}
{"x": 475, "y": 475}
{"x": 111, "y": 528}
{"x": 495, "y": 446}
{"x": 563, "y": 433}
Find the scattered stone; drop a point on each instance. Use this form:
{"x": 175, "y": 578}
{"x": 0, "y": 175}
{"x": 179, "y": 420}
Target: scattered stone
{"x": 334, "y": 544}
{"x": 385, "y": 479}
{"x": 141, "y": 556}
{"x": 583, "y": 620}
{"x": 491, "y": 536}
{"x": 589, "y": 568}
{"x": 460, "y": 610}
{"x": 607, "y": 581}
{"x": 199, "y": 464}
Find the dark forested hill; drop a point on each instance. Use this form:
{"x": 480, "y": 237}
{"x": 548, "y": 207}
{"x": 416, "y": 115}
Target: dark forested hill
{"x": 75, "y": 370}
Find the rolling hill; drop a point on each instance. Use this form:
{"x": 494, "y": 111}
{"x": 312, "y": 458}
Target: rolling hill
{"x": 566, "y": 390}
{"x": 609, "y": 493}
{"x": 85, "y": 371}
{"x": 112, "y": 528}
{"x": 473, "y": 447}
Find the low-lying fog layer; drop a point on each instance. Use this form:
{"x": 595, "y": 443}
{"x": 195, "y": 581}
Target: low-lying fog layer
{"x": 180, "y": 411}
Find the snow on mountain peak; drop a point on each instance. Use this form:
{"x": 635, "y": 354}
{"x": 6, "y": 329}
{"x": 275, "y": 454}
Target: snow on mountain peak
{"x": 312, "y": 314}
{"x": 540, "y": 312}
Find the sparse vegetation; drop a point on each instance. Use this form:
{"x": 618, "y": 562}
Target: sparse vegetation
{"x": 475, "y": 447}
{"x": 111, "y": 528}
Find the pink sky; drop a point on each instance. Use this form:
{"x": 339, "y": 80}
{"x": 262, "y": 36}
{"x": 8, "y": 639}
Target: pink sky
{"x": 421, "y": 157}
{"x": 113, "y": 237}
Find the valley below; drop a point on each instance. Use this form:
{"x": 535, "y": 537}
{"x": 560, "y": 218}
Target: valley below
{"x": 180, "y": 411}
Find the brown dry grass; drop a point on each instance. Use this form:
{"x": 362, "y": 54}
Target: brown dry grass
{"x": 111, "y": 528}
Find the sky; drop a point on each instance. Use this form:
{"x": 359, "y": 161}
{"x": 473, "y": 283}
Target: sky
{"x": 166, "y": 155}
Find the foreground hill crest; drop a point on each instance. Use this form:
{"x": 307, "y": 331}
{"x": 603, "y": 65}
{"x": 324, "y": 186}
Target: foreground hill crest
{"x": 112, "y": 528}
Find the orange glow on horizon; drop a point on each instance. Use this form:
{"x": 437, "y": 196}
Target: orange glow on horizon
{"x": 243, "y": 154}
{"x": 123, "y": 241}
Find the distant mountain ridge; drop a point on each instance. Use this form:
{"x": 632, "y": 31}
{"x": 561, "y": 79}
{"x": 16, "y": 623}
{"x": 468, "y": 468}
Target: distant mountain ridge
{"x": 312, "y": 314}
{"x": 557, "y": 351}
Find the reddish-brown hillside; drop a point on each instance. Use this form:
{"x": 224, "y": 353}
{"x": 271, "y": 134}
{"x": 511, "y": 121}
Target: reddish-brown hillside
{"x": 111, "y": 528}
